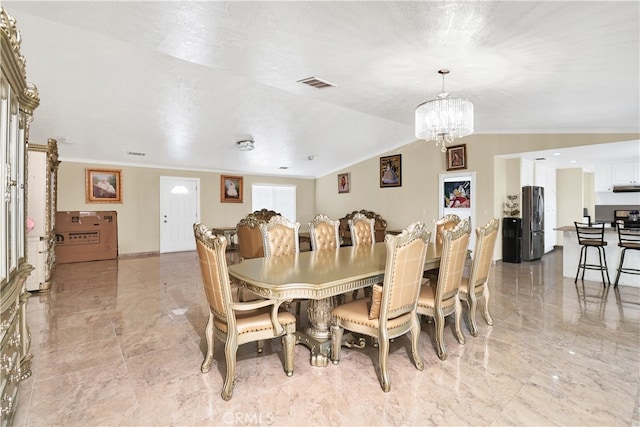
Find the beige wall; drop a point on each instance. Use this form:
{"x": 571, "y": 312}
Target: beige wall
{"x": 138, "y": 214}
{"x": 416, "y": 199}
{"x": 422, "y": 162}
{"x": 570, "y": 185}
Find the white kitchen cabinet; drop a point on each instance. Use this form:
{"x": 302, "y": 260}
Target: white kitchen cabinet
{"x": 625, "y": 173}
{"x": 606, "y": 175}
{"x": 602, "y": 177}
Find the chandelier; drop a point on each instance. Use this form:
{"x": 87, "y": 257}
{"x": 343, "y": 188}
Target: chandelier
{"x": 444, "y": 119}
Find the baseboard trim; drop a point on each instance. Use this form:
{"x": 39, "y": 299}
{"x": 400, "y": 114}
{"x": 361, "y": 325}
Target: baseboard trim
{"x": 139, "y": 255}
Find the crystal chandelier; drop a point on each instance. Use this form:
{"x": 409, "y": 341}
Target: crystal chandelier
{"x": 444, "y": 119}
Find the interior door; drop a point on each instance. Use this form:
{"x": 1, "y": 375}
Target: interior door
{"x": 179, "y": 210}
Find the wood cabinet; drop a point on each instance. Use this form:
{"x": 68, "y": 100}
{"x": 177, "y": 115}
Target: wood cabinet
{"x": 42, "y": 183}
{"x": 18, "y": 100}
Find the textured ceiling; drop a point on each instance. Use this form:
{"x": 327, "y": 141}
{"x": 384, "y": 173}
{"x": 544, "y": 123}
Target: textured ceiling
{"x": 183, "y": 81}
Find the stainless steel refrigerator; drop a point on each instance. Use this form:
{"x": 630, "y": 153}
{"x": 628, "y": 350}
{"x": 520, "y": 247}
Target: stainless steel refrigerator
{"x": 532, "y": 223}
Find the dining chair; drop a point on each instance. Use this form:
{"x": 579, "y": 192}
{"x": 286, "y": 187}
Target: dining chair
{"x": 324, "y": 233}
{"x": 476, "y": 285}
{"x": 440, "y": 298}
{"x": 236, "y": 323}
{"x": 250, "y": 237}
{"x": 391, "y": 310}
{"x": 280, "y": 236}
{"x": 447, "y": 222}
{"x": 592, "y": 236}
{"x": 362, "y": 232}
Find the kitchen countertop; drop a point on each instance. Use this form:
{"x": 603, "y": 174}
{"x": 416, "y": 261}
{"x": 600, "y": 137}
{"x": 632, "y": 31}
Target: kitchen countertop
{"x": 607, "y": 228}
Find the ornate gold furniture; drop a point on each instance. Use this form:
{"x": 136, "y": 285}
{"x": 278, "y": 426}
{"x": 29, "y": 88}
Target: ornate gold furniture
{"x": 592, "y": 236}
{"x": 236, "y": 323}
{"x": 447, "y": 222}
{"x": 42, "y": 191}
{"x": 324, "y": 233}
{"x": 476, "y": 286}
{"x": 18, "y": 100}
{"x": 380, "y": 226}
{"x": 318, "y": 275}
{"x": 249, "y": 234}
{"x": 280, "y": 236}
{"x": 440, "y": 299}
{"x": 362, "y": 233}
{"x": 396, "y": 316}
{"x": 362, "y": 230}
{"x": 264, "y": 214}
{"x": 628, "y": 238}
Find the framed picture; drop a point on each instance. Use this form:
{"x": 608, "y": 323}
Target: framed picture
{"x": 231, "y": 189}
{"x": 391, "y": 171}
{"x": 457, "y": 157}
{"x": 344, "y": 183}
{"x": 104, "y": 185}
{"x": 457, "y": 194}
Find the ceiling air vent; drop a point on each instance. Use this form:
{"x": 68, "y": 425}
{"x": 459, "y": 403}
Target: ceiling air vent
{"x": 316, "y": 82}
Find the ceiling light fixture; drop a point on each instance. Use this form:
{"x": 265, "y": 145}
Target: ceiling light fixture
{"x": 444, "y": 119}
{"x": 246, "y": 145}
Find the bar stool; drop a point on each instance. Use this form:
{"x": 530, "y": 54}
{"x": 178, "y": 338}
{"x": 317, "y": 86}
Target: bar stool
{"x": 592, "y": 236}
{"x": 628, "y": 238}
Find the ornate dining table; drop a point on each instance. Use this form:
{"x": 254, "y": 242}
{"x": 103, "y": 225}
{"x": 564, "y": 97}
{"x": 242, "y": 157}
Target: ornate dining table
{"x": 320, "y": 277}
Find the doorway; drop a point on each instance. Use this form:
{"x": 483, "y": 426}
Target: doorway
{"x": 179, "y": 210}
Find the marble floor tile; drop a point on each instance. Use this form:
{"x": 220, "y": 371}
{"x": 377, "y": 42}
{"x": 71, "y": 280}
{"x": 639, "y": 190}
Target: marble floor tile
{"x": 120, "y": 343}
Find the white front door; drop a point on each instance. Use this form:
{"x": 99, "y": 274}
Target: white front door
{"x": 179, "y": 210}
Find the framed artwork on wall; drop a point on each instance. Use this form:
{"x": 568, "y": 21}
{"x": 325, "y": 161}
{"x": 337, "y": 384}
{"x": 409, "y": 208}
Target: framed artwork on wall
{"x": 231, "y": 190}
{"x": 457, "y": 194}
{"x": 391, "y": 171}
{"x": 103, "y": 185}
{"x": 344, "y": 183}
{"x": 457, "y": 157}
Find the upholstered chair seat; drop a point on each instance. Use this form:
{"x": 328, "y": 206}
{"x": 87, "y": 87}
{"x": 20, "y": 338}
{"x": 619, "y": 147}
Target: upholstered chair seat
{"x": 440, "y": 298}
{"x": 476, "y": 285}
{"x": 236, "y": 323}
{"x": 390, "y": 312}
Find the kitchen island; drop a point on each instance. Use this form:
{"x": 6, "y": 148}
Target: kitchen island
{"x": 571, "y": 256}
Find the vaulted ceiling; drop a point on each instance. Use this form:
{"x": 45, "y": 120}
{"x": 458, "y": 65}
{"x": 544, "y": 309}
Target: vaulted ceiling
{"x": 182, "y": 82}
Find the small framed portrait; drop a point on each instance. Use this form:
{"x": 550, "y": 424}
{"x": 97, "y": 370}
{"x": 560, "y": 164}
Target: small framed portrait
{"x": 344, "y": 183}
{"x": 391, "y": 171}
{"x": 457, "y": 157}
{"x": 103, "y": 185}
{"x": 231, "y": 190}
